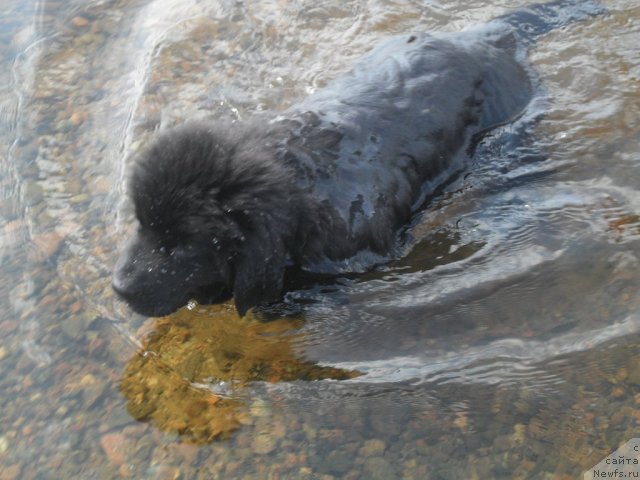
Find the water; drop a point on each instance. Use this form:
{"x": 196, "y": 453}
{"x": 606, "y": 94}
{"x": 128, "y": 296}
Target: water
{"x": 503, "y": 345}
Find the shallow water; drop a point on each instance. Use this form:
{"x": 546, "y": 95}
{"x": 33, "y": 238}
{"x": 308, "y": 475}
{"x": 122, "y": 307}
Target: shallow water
{"x": 503, "y": 345}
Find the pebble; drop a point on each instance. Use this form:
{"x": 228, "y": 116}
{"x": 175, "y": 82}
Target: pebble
{"x": 102, "y": 184}
{"x": 72, "y": 327}
{"x": 79, "y": 21}
{"x": 622, "y": 374}
{"x": 92, "y": 393}
{"x": 519, "y": 433}
{"x": 264, "y": 443}
{"x": 310, "y": 432}
{"x": 373, "y": 448}
{"x": 338, "y": 462}
{"x": 164, "y": 472}
{"x": 4, "y": 445}
{"x": 46, "y": 245}
{"x": 617, "y": 392}
{"x": 76, "y": 118}
{"x": 80, "y": 198}
{"x": 378, "y": 468}
{"x": 32, "y": 193}
{"x": 63, "y": 126}
{"x": 187, "y": 451}
{"x": 633, "y": 371}
{"x": 11, "y": 472}
{"x": 384, "y": 425}
{"x": 114, "y": 446}
{"x": 260, "y": 408}
{"x": 462, "y": 420}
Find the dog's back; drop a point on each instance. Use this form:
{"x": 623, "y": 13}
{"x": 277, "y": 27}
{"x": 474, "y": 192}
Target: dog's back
{"x": 374, "y": 142}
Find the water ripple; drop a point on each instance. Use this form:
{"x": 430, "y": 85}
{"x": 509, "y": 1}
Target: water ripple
{"x": 507, "y": 361}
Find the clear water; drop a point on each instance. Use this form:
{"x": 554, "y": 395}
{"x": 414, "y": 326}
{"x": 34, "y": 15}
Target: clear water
{"x": 504, "y": 345}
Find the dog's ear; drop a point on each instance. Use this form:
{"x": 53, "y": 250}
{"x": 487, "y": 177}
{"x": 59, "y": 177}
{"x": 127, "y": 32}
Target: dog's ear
{"x": 259, "y": 269}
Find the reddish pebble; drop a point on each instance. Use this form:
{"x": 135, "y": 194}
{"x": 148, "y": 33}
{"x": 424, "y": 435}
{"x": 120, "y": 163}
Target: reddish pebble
{"x": 79, "y": 21}
{"x": 114, "y": 446}
{"x": 46, "y": 245}
{"x": 11, "y": 472}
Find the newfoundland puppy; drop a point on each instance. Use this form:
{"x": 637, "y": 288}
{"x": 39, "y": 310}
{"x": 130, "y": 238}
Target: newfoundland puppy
{"x": 223, "y": 208}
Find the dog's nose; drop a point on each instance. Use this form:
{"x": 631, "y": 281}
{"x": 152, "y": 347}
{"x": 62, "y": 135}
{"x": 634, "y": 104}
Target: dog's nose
{"x": 122, "y": 285}
{"x": 123, "y": 282}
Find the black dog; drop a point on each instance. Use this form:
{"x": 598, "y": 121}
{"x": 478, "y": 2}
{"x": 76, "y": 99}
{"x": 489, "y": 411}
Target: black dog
{"x": 223, "y": 208}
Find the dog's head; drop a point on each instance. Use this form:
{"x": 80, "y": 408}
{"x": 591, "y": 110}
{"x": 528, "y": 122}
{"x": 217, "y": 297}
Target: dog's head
{"x": 211, "y": 224}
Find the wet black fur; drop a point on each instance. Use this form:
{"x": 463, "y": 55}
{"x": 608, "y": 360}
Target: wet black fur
{"x": 223, "y": 208}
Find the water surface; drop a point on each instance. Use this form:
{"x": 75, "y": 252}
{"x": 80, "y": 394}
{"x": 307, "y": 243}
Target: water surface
{"x": 503, "y": 345}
